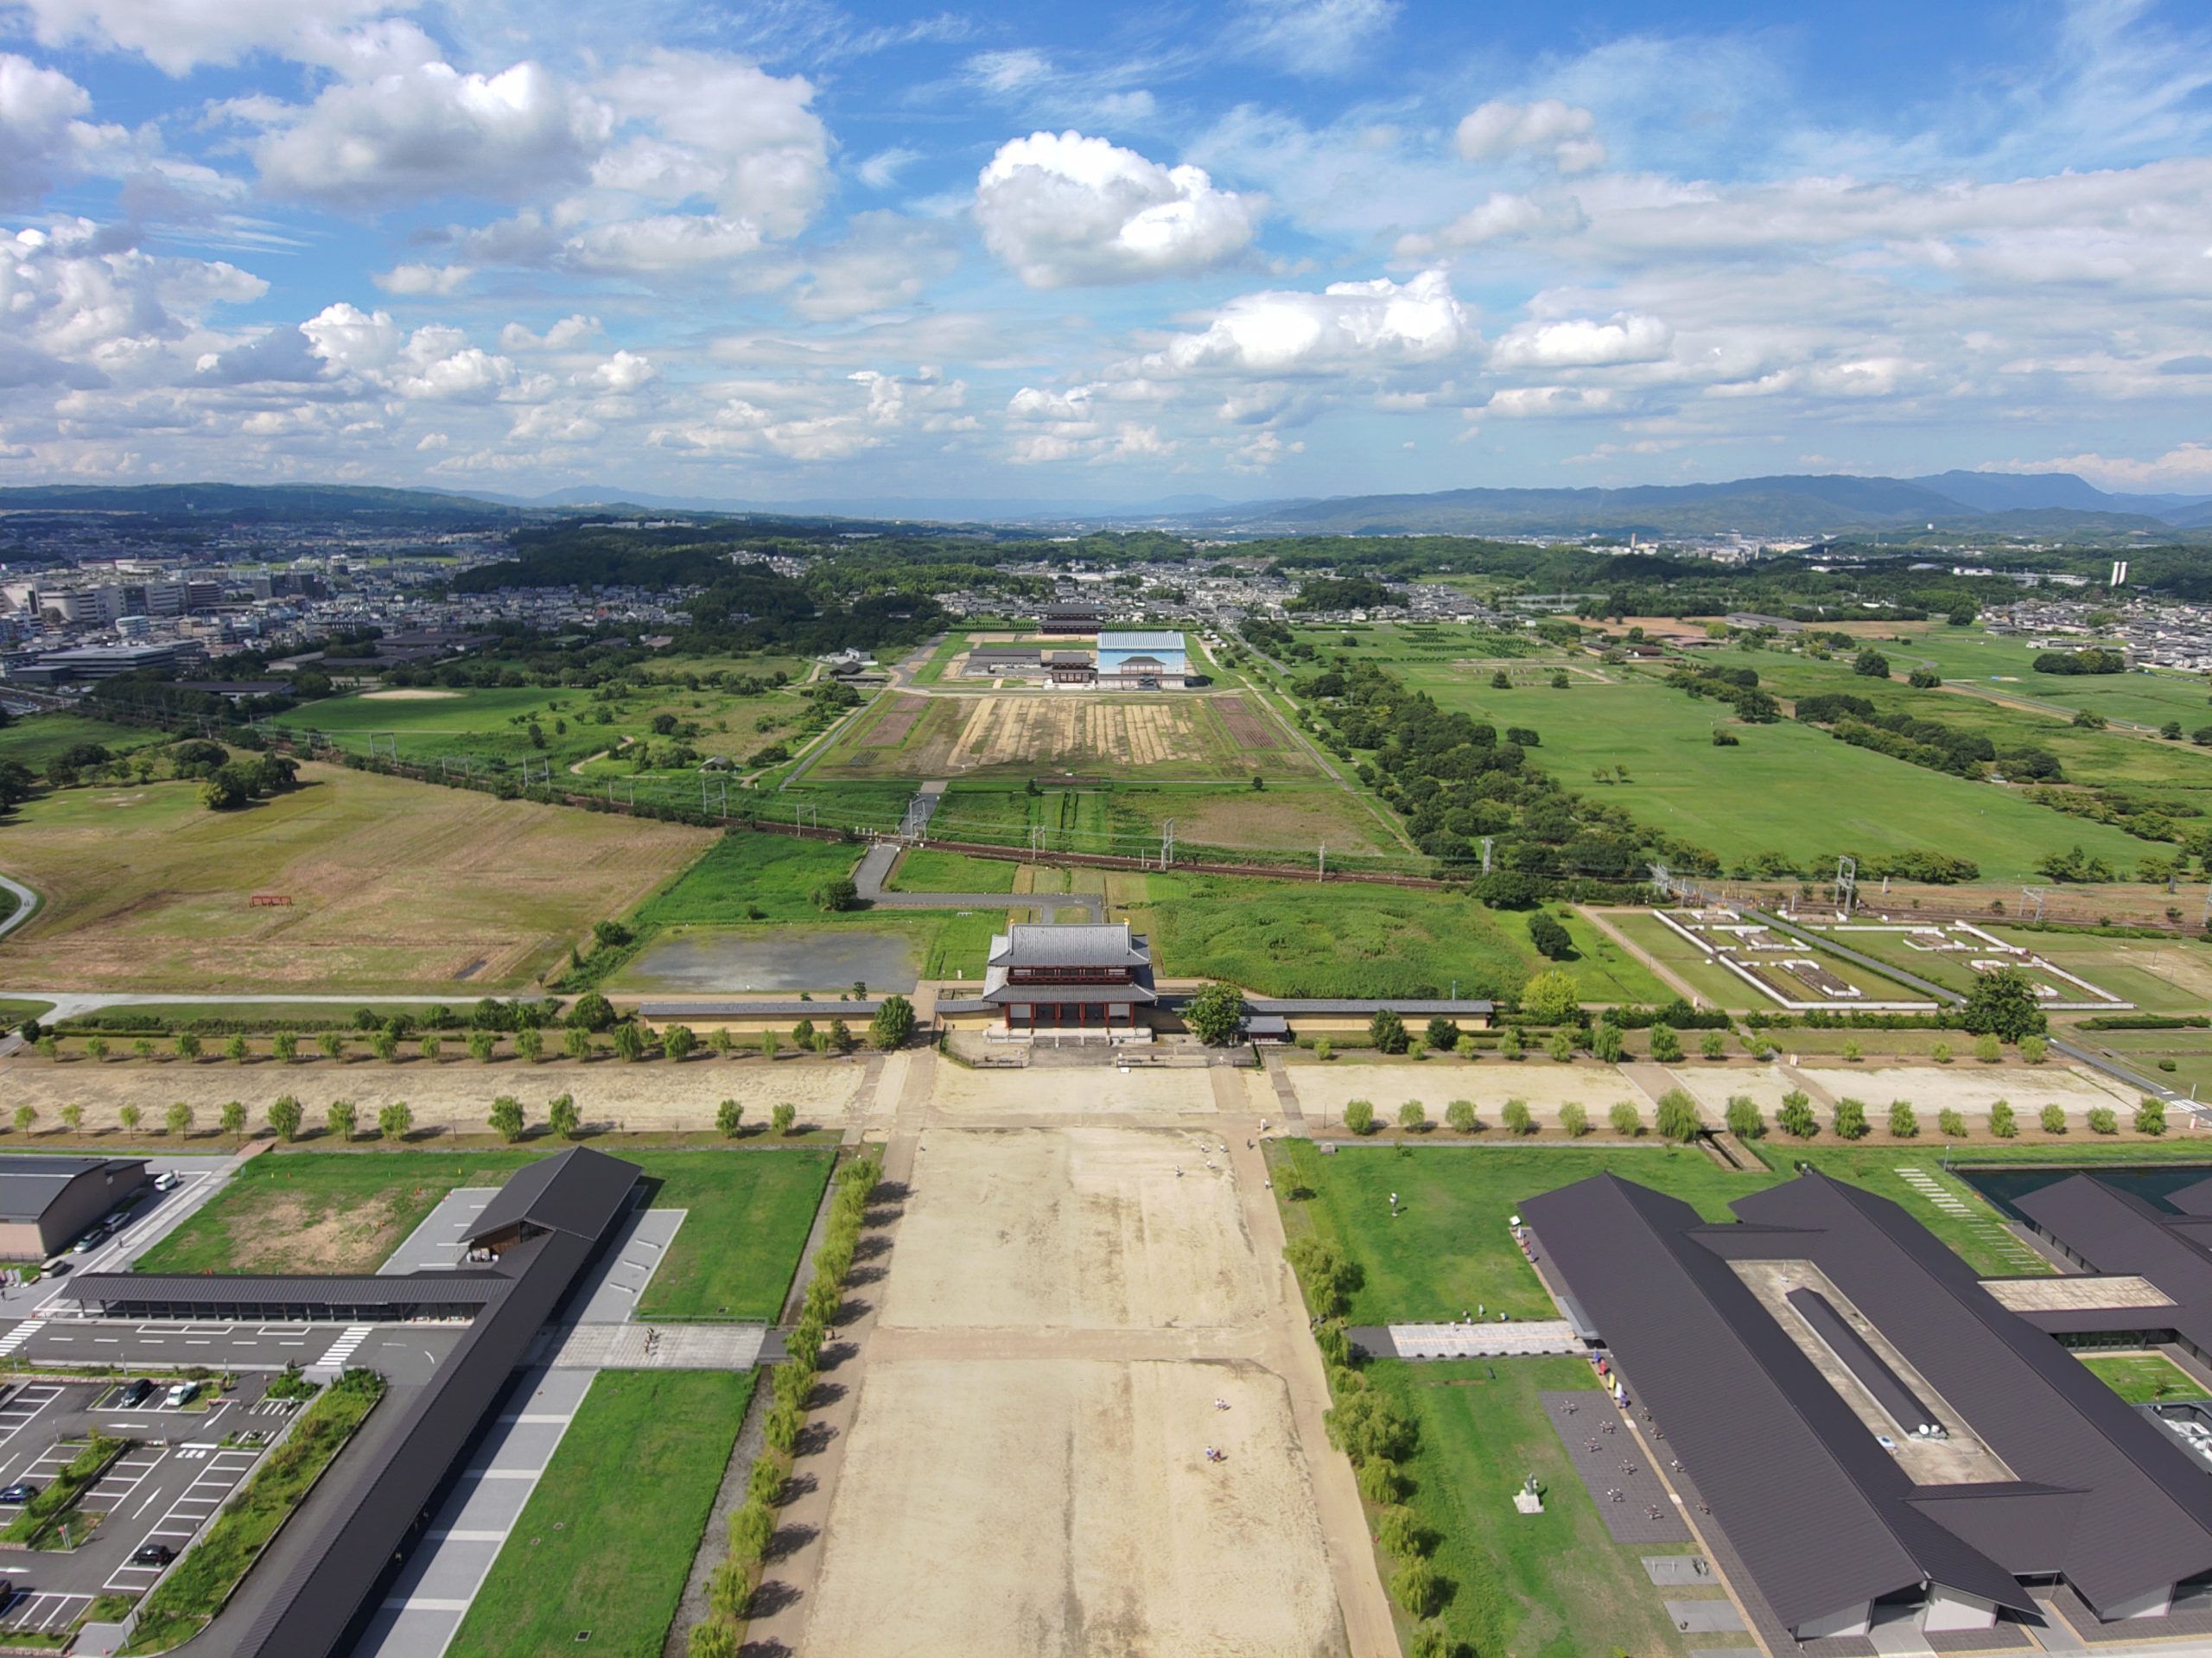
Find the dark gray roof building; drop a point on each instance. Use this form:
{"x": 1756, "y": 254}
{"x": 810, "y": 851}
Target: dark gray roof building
{"x": 46, "y": 1203}
{"x": 328, "y": 1568}
{"x": 2058, "y": 1479}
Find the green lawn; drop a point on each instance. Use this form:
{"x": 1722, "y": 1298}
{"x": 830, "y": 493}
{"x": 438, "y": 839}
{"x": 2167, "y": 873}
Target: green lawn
{"x": 1716, "y": 984}
{"x": 1785, "y": 788}
{"x": 1448, "y": 1250}
{"x": 494, "y": 724}
{"x": 358, "y": 1205}
{"x": 1549, "y": 1586}
{"x": 36, "y": 739}
{"x": 747, "y": 1216}
{"x": 746, "y": 876}
{"x": 606, "y": 1541}
{"x": 2007, "y": 666}
{"x": 1350, "y": 939}
{"x": 924, "y": 871}
{"x": 2143, "y": 1378}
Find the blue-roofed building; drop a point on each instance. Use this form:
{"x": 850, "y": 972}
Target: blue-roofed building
{"x": 1142, "y": 662}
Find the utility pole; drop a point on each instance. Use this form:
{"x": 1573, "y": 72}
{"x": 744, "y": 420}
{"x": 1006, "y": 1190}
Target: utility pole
{"x": 1321, "y": 870}
{"x": 2036, "y": 898}
{"x": 1489, "y": 840}
{"x": 1166, "y": 843}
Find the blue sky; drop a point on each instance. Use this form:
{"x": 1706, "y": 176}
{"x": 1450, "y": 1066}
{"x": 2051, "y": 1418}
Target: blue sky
{"x": 1110, "y": 252}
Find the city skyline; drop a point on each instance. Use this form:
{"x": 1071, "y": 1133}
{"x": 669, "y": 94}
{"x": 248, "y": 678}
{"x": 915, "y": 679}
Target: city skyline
{"x": 1279, "y": 249}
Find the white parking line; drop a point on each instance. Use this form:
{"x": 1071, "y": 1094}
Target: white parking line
{"x": 46, "y": 1612}
{"x": 191, "y": 1509}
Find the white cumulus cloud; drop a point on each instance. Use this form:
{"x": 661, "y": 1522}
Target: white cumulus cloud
{"x": 625, "y": 372}
{"x": 1581, "y": 342}
{"x": 43, "y": 135}
{"x": 1377, "y": 324}
{"x": 1563, "y": 132}
{"x": 1064, "y": 210}
{"x": 176, "y": 35}
{"x": 428, "y": 131}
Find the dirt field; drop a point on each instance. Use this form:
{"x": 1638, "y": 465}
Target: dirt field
{"x": 1324, "y": 1091}
{"x": 288, "y": 1235}
{"x": 394, "y": 885}
{"x": 1046, "y": 1093}
{"x": 1021, "y": 730}
{"x": 1192, "y": 736}
{"x": 1064, "y": 1508}
{"x": 1079, "y": 1227}
{"x": 1972, "y": 1088}
{"x": 657, "y": 1097}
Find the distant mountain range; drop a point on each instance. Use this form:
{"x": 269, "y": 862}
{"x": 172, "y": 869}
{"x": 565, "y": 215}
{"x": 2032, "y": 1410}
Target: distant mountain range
{"x": 2051, "y": 505}
{"x": 2033, "y": 504}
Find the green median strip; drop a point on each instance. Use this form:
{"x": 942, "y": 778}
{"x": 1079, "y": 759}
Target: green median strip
{"x": 195, "y": 1589}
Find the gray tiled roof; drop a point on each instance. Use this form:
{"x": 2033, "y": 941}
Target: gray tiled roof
{"x": 1816, "y": 1510}
{"x": 1821, "y": 1515}
{"x": 1081, "y": 943}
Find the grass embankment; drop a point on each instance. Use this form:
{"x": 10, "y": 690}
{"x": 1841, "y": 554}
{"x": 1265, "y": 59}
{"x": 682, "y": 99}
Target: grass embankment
{"x": 607, "y": 1537}
{"x": 196, "y": 1587}
{"x": 2143, "y": 1378}
{"x": 747, "y": 1217}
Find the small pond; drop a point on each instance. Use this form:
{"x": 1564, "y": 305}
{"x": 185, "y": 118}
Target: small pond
{"x": 704, "y": 960}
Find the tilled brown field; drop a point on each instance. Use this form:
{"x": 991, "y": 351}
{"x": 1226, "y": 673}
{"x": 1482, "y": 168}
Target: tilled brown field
{"x": 392, "y": 886}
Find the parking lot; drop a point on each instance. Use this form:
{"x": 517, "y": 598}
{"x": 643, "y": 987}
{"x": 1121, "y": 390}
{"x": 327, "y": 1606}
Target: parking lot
{"x": 170, "y": 1483}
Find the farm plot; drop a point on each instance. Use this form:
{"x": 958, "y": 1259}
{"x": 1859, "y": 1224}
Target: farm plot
{"x": 392, "y": 886}
{"x": 1022, "y": 734}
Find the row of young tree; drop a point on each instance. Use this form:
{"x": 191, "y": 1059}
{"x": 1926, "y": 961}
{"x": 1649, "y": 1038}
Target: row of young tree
{"x": 629, "y": 1040}
{"x": 731, "y": 1588}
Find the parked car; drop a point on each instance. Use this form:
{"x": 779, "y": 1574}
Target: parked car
{"x": 154, "y": 1554}
{"x": 114, "y": 1223}
{"x": 166, "y": 1180}
{"x": 137, "y": 1393}
{"x": 90, "y": 1241}
{"x": 20, "y": 1491}
{"x": 183, "y": 1394}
